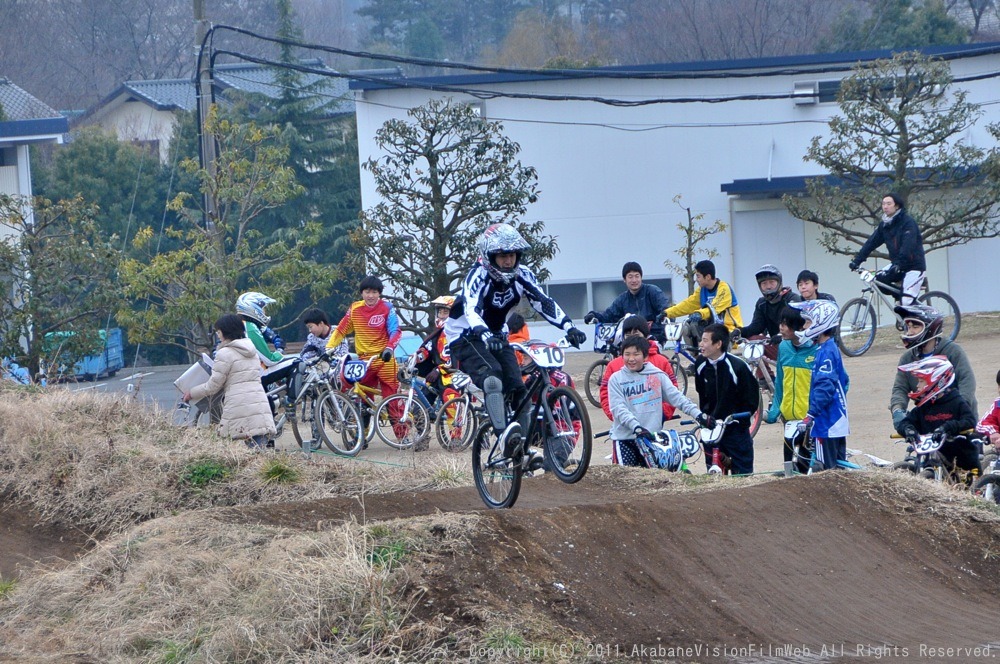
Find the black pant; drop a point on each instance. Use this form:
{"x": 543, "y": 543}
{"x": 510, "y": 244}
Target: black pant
{"x": 474, "y": 359}
{"x": 737, "y": 444}
{"x": 962, "y": 452}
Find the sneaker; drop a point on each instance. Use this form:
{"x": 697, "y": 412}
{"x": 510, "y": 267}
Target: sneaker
{"x": 509, "y": 438}
{"x": 270, "y": 444}
{"x": 535, "y": 459}
{"x": 715, "y": 470}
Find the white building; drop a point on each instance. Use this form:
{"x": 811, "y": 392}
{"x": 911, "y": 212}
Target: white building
{"x": 608, "y": 174}
{"x": 24, "y": 121}
{"x": 146, "y": 111}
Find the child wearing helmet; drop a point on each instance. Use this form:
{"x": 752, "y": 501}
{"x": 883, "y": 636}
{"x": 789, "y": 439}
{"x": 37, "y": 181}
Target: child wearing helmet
{"x": 921, "y": 336}
{"x": 941, "y": 410}
{"x": 434, "y": 361}
{"x": 250, "y": 307}
{"x": 477, "y": 329}
{"x": 827, "y": 414}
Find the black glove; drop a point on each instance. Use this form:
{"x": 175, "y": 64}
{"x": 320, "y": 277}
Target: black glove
{"x": 494, "y": 344}
{"x": 590, "y": 317}
{"x": 910, "y": 434}
{"x": 386, "y": 354}
{"x": 640, "y": 432}
{"x": 775, "y": 340}
{"x": 695, "y": 317}
{"x": 854, "y": 265}
{"x": 575, "y": 337}
{"x": 707, "y": 421}
{"x": 433, "y": 376}
{"x": 940, "y": 434}
{"x": 661, "y": 318}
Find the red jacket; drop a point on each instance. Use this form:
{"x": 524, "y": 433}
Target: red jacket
{"x": 991, "y": 421}
{"x": 657, "y": 360}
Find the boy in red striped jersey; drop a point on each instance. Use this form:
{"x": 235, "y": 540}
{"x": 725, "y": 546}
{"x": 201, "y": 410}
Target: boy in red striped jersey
{"x": 375, "y": 327}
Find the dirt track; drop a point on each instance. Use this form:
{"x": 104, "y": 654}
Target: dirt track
{"x": 738, "y": 573}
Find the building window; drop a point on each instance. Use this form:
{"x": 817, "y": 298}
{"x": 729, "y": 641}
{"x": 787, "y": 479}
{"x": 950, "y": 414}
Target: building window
{"x": 571, "y": 297}
{"x": 8, "y": 157}
{"x": 827, "y": 91}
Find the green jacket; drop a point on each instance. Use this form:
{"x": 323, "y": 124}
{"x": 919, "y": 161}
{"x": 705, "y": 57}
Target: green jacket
{"x": 791, "y": 385}
{"x": 253, "y": 333}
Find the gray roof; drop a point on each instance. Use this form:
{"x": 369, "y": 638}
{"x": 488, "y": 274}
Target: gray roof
{"x": 20, "y": 105}
{"x": 179, "y": 93}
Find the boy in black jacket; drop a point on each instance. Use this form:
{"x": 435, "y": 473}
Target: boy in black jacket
{"x": 726, "y": 385}
{"x": 940, "y": 410}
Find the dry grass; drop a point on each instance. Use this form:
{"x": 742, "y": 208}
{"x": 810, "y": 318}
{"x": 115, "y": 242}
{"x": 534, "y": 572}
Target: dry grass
{"x": 191, "y": 588}
{"x": 103, "y": 463}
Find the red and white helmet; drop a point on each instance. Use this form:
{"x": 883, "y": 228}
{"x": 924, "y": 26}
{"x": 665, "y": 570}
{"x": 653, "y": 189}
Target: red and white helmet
{"x": 937, "y": 374}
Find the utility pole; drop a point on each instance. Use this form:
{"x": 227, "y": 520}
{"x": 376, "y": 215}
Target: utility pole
{"x": 203, "y": 93}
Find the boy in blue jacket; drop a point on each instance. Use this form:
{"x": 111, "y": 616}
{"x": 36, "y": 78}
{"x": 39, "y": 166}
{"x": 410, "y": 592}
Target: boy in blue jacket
{"x": 827, "y": 416}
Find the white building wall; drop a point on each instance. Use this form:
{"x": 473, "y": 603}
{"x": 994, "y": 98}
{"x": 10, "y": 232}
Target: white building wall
{"x": 607, "y": 174}
{"x": 137, "y": 121}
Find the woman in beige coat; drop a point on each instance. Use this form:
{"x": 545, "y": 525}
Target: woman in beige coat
{"x": 246, "y": 413}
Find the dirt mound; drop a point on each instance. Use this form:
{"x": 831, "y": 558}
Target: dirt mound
{"x": 27, "y": 541}
{"x": 810, "y": 569}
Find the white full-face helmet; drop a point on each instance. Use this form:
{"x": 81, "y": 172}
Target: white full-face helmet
{"x": 824, "y": 314}
{"x": 500, "y": 239}
{"x": 252, "y": 305}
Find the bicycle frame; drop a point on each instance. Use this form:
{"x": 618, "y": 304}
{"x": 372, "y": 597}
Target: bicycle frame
{"x": 870, "y": 289}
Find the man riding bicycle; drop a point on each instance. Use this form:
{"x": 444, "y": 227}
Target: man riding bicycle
{"x": 901, "y": 237}
{"x": 476, "y": 329}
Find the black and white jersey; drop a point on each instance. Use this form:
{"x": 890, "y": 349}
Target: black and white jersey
{"x": 486, "y": 302}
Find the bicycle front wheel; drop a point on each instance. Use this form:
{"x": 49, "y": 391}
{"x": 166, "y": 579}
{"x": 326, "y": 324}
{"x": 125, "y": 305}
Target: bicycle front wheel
{"x": 568, "y": 447}
{"x": 339, "y": 424}
{"x": 456, "y": 423}
{"x": 403, "y": 422}
{"x": 498, "y": 480}
{"x": 758, "y": 415}
{"x": 856, "y": 333}
{"x": 680, "y": 374}
{"x": 949, "y": 310}
{"x": 592, "y": 382}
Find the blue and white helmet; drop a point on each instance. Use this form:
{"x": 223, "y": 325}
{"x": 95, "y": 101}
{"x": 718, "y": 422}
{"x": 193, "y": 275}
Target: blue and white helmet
{"x": 498, "y": 239}
{"x": 252, "y": 306}
{"x": 824, "y": 314}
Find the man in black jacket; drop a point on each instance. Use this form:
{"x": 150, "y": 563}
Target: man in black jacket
{"x": 767, "y": 312}
{"x": 901, "y": 237}
{"x": 644, "y": 300}
{"x": 726, "y": 385}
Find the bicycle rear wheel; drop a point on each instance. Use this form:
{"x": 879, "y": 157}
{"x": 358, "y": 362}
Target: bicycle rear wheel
{"x": 403, "y": 422}
{"x": 498, "y": 480}
{"x": 339, "y": 424}
{"x": 456, "y": 423}
{"x": 949, "y": 310}
{"x": 592, "y": 381}
{"x": 304, "y": 421}
{"x": 567, "y": 452}
{"x": 856, "y": 333}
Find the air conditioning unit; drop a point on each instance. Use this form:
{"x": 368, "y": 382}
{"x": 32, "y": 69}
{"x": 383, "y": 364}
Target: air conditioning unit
{"x": 805, "y": 93}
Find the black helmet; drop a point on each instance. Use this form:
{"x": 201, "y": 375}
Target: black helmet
{"x": 769, "y": 272}
{"x": 930, "y": 319}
